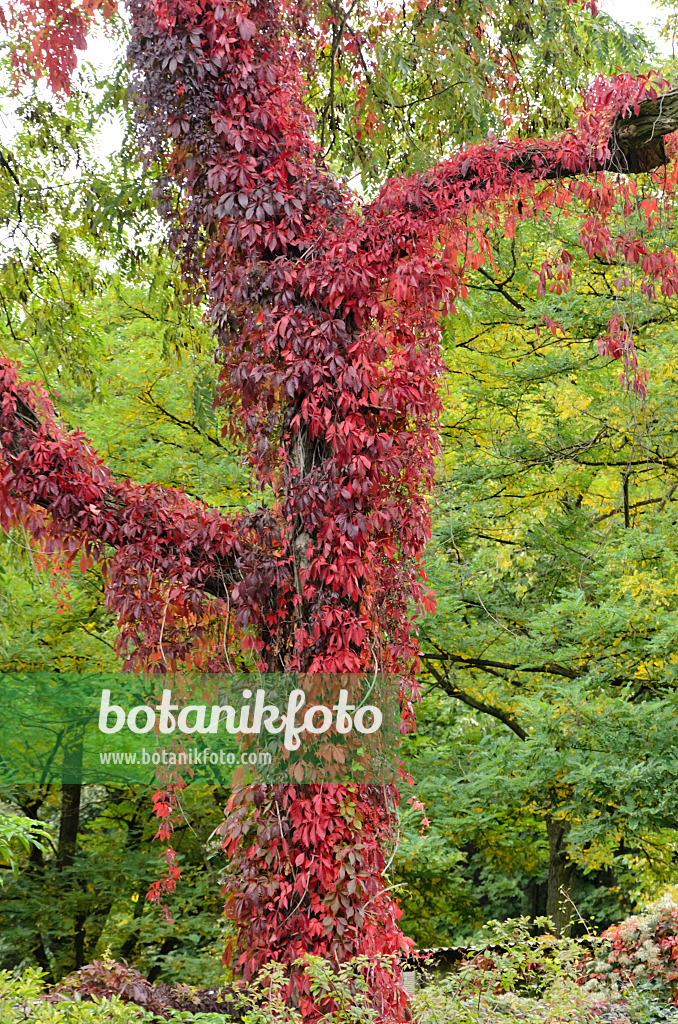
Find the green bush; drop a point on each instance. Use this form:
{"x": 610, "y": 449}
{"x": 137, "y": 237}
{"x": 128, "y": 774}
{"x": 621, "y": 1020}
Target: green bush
{"x": 533, "y": 978}
{"x": 537, "y": 980}
{"x": 516, "y": 977}
{"x": 20, "y": 1001}
{"x": 17, "y": 830}
{"x": 641, "y": 953}
{"x": 342, "y": 995}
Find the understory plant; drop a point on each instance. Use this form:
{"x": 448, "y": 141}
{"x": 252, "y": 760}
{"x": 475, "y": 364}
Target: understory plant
{"x": 107, "y": 992}
{"x": 17, "y": 831}
{"x": 642, "y": 953}
{"x": 519, "y": 975}
{"x": 515, "y": 973}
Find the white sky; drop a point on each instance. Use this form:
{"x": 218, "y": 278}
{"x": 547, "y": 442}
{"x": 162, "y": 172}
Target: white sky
{"x": 637, "y": 12}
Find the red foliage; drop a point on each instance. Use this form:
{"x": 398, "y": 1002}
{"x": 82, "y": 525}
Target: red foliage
{"x": 51, "y": 33}
{"x": 644, "y": 950}
{"x": 326, "y": 321}
{"x": 104, "y": 980}
{"x": 56, "y": 487}
{"x": 312, "y": 879}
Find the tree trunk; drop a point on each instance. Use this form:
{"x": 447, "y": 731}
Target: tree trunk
{"x": 71, "y": 794}
{"x": 69, "y": 824}
{"x": 130, "y": 943}
{"x": 558, "y": 907}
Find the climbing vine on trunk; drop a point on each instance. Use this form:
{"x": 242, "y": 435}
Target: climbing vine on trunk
{"x": 326, "y": 318}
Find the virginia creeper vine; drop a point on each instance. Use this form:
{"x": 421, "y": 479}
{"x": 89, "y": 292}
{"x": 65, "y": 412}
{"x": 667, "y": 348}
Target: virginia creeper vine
{"x": 326, "y": 319}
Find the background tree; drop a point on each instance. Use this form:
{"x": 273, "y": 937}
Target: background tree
{"x": 91, "y": 306}
{"x": 554, "y": 570}
{"x": 396, "y": 89}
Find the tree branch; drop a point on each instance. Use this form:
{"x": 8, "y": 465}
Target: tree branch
{"x": 46, "y": 470}
{"x": 466, "y": 698}
{"x": 636, "y": 142}
{"x": 489, "y": 172}
{"x": 487, "y": 665}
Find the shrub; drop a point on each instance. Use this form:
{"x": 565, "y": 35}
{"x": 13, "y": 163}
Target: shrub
{"x": 21, "y": 1001}
{"x": 516, "y": 975}
{"x": 642, "y": 953}
{"x": 16, "y": 830}
{"x": 537, "y": 980}
{"x": 107, "y": 979}
{"x": 340, "y": 995}
{"x": 106, "y": 992}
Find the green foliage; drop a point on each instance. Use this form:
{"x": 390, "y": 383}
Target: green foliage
{"x": 554, "y": 562}
{"x": 532, "y": 978}
{"x": 396, "y": 89}
{"x": 47, "y": 621}
{"x": 535, "y": 979}
{"x": 100, "y": 317}
{"x": 265, "y": 1001}
{"x": 341, "y": 993}
{"x": 141, "y": 384}
{"x": 52, "y": 916}
{"x": 70, "y": 216}
{"x": 17, "y": 831}
{"x": 20, "y": 1001}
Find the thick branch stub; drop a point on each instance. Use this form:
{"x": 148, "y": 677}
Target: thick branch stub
{"x": 26, "y": 414}
{"x": 637, "y": 142}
